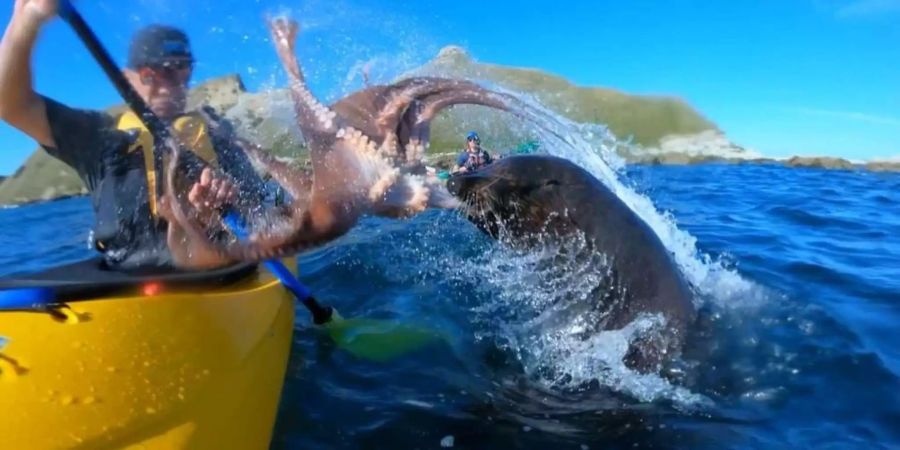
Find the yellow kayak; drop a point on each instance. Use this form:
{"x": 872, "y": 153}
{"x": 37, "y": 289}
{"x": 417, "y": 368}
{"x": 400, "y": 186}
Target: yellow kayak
{"x": 150, "y": 363}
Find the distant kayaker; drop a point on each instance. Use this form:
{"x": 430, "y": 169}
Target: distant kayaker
{"x": 473, "y": 156}
{"x": 113, "y": 154}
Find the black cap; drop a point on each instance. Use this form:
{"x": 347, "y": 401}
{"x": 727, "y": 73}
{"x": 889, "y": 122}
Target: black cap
{"x": 157, "y": 44}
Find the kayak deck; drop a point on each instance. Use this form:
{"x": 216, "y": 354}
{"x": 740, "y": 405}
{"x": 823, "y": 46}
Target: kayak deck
{"x": 89, "y": 280}
{"x": 193, "y": 366}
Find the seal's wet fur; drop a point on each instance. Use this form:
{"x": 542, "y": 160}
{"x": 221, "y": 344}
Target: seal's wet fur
{"x": 526, "y": 199}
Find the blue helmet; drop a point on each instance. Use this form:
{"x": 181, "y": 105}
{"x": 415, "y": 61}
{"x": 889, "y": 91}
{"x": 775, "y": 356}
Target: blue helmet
{"x": 473, "y": 136}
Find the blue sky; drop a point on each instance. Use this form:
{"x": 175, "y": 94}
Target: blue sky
{"x": 782, "y": 77}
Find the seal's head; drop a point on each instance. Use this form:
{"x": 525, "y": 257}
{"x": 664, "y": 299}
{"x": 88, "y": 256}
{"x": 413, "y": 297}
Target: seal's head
{"x": 516, "y": 196}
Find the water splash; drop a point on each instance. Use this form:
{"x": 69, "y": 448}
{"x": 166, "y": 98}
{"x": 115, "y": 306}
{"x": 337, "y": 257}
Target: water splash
{"x": 593, "y": 147}
{"x": 542, "y": 304}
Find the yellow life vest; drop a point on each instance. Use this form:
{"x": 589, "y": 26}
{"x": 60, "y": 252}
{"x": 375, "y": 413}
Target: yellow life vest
{"x": 190, "y": 129}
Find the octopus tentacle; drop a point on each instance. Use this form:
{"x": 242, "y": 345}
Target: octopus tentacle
{"x": 392, "y": 114}
{"x": 417, "y": 87}
{"x": 470, "y": 95}
{"x": 298, "y": 184}
{"x": 378, "y": 109}
{"x": 314, "y": 117}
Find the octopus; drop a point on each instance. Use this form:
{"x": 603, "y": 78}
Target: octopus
{"x": 365, "y": 151}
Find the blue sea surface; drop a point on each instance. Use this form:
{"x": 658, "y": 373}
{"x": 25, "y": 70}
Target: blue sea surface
{"x": 796, "y": 344}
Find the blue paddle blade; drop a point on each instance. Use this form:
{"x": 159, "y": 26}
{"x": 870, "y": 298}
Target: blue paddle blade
{"x": 26, "y": 298}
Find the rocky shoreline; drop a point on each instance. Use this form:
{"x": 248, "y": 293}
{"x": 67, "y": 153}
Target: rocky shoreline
{"x": 811, "y": 162}
{"x": 444, "y": 161}
{"x": 679, "y": 159}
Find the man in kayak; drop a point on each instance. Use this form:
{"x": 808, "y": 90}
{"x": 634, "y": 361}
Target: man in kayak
{"x": 473, "y": 157}
{"x": 113, "y": 155}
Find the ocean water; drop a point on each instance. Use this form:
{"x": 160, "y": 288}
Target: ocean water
{"x": 796, "y": 344}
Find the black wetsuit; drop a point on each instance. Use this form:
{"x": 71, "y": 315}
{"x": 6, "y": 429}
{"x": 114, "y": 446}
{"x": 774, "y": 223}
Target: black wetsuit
{"x": 125, "y": 231}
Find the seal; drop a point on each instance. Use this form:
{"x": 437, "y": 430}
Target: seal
{"x": 532, "y": 199}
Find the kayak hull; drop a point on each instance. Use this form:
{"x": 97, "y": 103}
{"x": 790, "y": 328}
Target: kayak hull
{"x": 186, "y": 369}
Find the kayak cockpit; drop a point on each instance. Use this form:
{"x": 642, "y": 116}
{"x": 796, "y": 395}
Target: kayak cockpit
{"x": 90, "y": 279}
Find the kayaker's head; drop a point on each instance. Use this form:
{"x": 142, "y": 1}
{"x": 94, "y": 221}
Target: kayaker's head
{"x": 160, "y": 65}
{"x": 517, "y": 194}
{"x": 472, "y": 141}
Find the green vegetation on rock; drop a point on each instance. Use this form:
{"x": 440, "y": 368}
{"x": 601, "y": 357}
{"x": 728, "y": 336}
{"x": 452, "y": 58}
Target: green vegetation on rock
{"x": 643, "y": 119}
{"x": 41, "y": 177}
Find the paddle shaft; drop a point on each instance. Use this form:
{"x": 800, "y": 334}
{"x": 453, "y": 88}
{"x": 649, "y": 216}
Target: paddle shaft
{"x": 154, "y": 124}
{"x": 321, "y": 314}
{"x": 159, "y": 130}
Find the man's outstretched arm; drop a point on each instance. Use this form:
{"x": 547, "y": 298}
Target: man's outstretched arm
{"x": 20, "y": 105}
